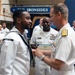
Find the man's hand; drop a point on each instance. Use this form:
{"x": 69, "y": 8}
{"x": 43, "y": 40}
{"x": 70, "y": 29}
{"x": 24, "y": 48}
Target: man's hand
{"x": 38, "y": 52}
{"x": 33, "y": 51}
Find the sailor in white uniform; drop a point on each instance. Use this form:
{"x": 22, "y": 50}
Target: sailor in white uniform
{"x": 43, "y": 37}
{"x": 15, "y": 52}
{"x": 36, "y": 28}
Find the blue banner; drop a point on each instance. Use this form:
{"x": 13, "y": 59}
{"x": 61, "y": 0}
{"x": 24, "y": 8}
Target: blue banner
{"x": 32, "y": 10}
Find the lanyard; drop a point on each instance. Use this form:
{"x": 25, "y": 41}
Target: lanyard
{"x": 29, "y": 48}
{"x": 26, "y": 43}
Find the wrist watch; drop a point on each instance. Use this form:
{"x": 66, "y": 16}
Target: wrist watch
{"x": 42, "y": 57}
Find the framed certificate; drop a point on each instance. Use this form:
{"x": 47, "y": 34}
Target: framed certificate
{"x": 45, "y": 46}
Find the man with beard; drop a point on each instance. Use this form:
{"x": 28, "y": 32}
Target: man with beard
{"x": 43, "y": 38}
{"x": 15, "y": 52}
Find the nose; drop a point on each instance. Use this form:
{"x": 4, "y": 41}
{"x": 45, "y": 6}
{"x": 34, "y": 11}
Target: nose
{"x": 46, "y": 23}
{"x": 30, "y": 21}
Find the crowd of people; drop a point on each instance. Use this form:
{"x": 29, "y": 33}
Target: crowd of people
{"x": 53, "y": 51}
{"x": 3, "y": 32}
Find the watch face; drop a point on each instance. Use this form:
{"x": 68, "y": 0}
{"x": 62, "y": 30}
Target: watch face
{"x": 42, "y": 57}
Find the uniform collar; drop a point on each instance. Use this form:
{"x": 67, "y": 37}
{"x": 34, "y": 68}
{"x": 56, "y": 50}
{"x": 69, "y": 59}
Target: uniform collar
{"x": 14, "y": 29}
{"x": 64, "y": 27}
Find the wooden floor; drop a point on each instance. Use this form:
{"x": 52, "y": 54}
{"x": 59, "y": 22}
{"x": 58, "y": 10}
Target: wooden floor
{"x": 32, "y": 72}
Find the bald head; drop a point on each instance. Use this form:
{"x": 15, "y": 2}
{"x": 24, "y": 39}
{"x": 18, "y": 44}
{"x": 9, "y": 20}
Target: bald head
{"x": 46, "y": 24}
{"x": 46, "y": 19}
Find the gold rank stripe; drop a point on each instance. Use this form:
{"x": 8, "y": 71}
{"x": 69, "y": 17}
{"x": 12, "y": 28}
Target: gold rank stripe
{"x": 64, "y": 32}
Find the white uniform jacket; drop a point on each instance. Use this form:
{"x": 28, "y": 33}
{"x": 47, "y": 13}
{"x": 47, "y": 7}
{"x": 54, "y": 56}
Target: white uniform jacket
{"x": 5, "y": 31}
{"x": 36, "y": 28}
{"x": 65, "y": 51}
{"x": 41, "y": 37}
{"x": 15, "y": 57}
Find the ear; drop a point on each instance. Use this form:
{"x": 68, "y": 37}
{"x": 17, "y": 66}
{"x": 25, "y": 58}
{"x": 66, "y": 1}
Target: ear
{"x": 59, "y": 14}
{"x": 18, "y": 20}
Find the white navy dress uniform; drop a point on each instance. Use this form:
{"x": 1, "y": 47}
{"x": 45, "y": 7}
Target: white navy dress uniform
{"x": 65, "y": 50}
{"x": 41, "y": 37}
{"x": 5, "y": 31}
{"x": 15, "y": 56}
{"x": 36, "y": 28}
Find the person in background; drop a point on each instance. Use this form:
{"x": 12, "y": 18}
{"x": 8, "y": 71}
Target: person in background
{"x": 5, "y": 29}
{"x": 38, "y": 26}
{"x": 43, "y": 37}
{"x": 15, "y": 51}
{"x": 73, "y": 25}
{"x": 2, "y": 35}
{"x": 74, "y": 30}
{"x": 0, "y": 28}
{"x": 63, "y": 59}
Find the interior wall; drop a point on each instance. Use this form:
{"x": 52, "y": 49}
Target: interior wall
{"x": 39, "y": 2}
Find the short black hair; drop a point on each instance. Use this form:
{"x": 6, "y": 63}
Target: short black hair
{"x": 17, "y": 14}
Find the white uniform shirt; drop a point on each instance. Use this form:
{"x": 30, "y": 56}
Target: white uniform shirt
{"x": 36, "y": 28}
{"x": 15, "y": 57}
{"x": 5, "y": 31}
{"x": 2, "y": 35}
{"x": 41, "y": 37}
{"x": 44, "y": 39}
{"x": 65, "y": 51}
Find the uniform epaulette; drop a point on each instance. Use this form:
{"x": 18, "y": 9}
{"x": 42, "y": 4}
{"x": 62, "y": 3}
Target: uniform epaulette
{"x": 8, "y": 39}
{"x": 64, "y": 32}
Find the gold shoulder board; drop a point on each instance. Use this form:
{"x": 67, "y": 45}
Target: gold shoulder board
{"x": 64, "y": 32}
